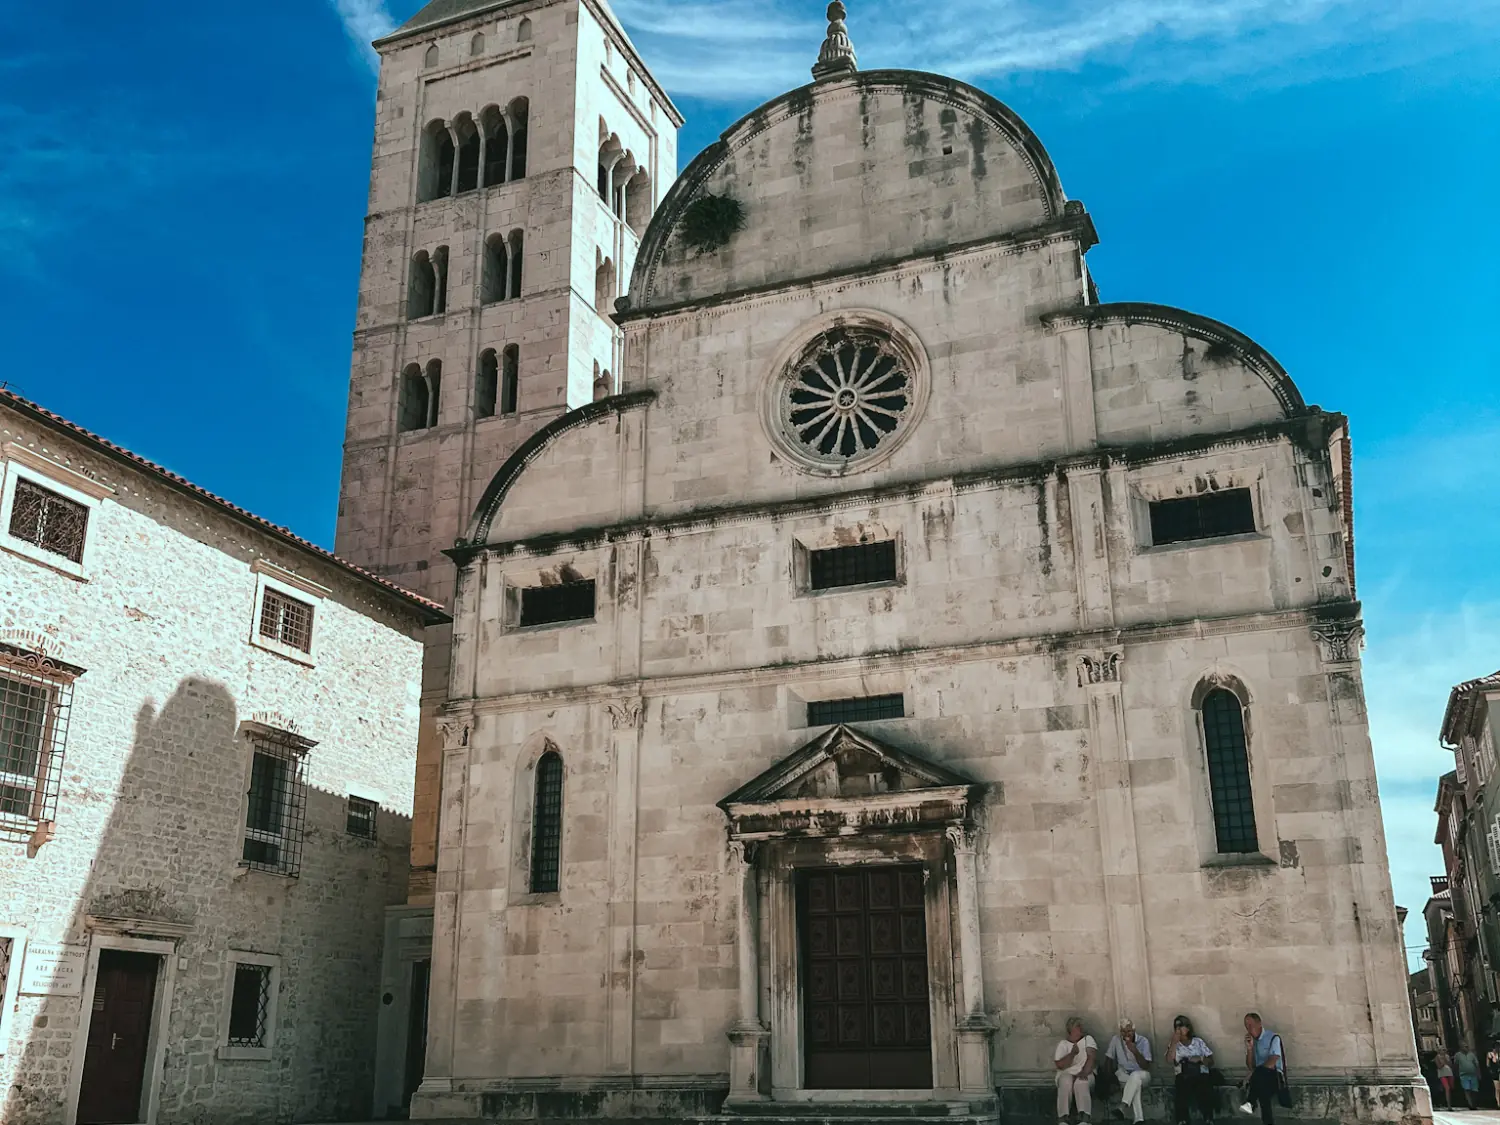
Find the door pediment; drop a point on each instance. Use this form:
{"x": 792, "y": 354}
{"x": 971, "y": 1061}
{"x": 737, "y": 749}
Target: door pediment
{"x": 847, "y": 783}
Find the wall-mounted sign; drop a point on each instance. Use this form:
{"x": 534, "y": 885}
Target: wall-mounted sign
{"x": 53, "y": 969}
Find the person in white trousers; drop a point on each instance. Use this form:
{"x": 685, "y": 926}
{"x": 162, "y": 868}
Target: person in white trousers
{"x": 1075, "y": 1058}
{"x": 1130, "y": 1053}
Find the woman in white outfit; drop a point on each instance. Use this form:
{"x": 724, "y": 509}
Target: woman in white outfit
{"x": 1075, "y": 1059}
{"x": 1192, "y": 1060}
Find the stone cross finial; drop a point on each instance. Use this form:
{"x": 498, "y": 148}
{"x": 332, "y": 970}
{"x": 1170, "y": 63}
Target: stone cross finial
{"x": 837, "y": 55}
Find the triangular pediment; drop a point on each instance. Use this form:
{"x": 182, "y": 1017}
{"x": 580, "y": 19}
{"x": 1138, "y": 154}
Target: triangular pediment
{"x": 844, "y": 763}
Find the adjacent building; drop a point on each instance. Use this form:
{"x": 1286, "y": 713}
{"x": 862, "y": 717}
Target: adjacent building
{"x": 520, "y": 148}
{"x": 208, "y": 731}
{"x": 913, "y": 652}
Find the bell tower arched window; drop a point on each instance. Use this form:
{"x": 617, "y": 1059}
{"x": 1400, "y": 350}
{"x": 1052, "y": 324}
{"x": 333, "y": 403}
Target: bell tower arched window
{"x": 1229, "y": 772}
{"x": 546, "y": 824}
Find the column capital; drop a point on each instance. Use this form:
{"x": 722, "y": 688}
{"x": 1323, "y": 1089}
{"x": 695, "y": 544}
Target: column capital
{"x": 963, "y": 837}
{"x": 1339, "y": 641}
{"x": 454, "y": 732}
{"x": 625, "y": 714}
{"x": 1100, "y": 667}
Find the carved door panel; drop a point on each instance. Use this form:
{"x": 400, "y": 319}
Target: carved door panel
{"x": 114, "y": 1062}
{"x": 864, "y": 978}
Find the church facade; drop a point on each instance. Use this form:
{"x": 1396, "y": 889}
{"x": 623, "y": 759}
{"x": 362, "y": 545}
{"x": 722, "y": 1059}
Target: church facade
{"x": 916, "y": 651}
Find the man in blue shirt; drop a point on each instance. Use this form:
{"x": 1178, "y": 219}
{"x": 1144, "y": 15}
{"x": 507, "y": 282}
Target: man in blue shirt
{"x": 1130, "y": 1052}
{"x": 1263, "y": 1057}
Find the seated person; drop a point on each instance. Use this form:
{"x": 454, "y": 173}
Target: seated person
{"x": 1193, "y": 1085}
{"x": 1075, "y": 1059}
{"x": 1130, "y": 1052}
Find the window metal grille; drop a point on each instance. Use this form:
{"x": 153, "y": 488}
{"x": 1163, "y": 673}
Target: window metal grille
{"x": 36, "y": 699}
{"x": 861, "y": 709}
{"x": 546, "y": 827}
{"x": 853, "y": 566}
{"x": 567, "y": 601}
{"x": 250, "y": 1006}
{"x": 277, "y": 810}
{"x": 1210, "y": 516}
{"x": 52, "y": 522}
{"x": 5, "y": 948}
{"x": 286, "y": 620}
{"x": 1229, "y": 772}
{"x": 359, "y": 820}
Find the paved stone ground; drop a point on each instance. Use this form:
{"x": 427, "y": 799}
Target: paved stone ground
{"x": 1466, "y": 1117}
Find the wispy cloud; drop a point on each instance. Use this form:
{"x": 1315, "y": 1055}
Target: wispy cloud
{"x": 771, "y": 45}
{"x": 365, "y": 21}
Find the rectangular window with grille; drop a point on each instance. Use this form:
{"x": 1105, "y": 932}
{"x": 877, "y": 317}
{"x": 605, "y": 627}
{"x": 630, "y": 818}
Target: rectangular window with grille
{"x": 276, "y": 811}
{"x": 286, "y": 620}
{"x": 250, "y": 1006}
{"x": 359, "y": 818}
{"x": 36, "y": 696}
{"x": 861, "y": 709}
{"x": 48, "y": 520}
{"x": 566, "y": 601}
{"x": 857, "y": 565}
{"x": 1212, "y": 515}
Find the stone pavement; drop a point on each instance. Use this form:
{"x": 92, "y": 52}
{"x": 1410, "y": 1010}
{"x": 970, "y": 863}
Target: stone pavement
{"x": 1465, "y": 1117}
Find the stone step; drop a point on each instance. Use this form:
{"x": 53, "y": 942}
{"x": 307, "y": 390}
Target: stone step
{"x": 764, "y": 1113}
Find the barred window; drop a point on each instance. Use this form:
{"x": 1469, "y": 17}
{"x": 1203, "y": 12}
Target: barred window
{"x": 854, "y": 565}
{"x": 1229, "y": 772}
{"x": 36, "y": 698}
{"x": 566, "y": 601}
{"x": 250, "y": 1006}
{"x": 546, "y": 824}
{"x": 1209, "y": 516}
{"x": 276, "y": 811}
{"x": 286, "y": 620}
{"x": 50, "y": 521}
{"x": 359, "y": 819}
{"x": 860, "y": 709}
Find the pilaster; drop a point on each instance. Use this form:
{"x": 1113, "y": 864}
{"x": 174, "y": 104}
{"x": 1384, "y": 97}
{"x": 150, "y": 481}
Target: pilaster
{"x": 625, "y": 728}
{"x": 749, "y": 1035}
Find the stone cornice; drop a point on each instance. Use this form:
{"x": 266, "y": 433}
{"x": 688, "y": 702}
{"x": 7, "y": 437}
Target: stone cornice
{"x": 1073, "y": 641}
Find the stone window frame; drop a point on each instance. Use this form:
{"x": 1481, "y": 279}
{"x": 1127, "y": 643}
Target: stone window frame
{"x": 265, "y": 1052}
{"x": 523, "y": 817}
{"x": 796, "y": 696}
{"x": 269, "y": 576}
{"x": 806, "y": 542}
{"x": 1148, "y": 487}
{"x": 21, "y": 463}
{"x": 10, "y": 983}
{"x": 1236, "y": 683}
{"x": 567, "y": 570}
{"x": 257, "y": 737}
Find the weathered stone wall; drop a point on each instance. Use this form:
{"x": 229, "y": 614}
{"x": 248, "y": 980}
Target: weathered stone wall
{"x": 150, "y": 819}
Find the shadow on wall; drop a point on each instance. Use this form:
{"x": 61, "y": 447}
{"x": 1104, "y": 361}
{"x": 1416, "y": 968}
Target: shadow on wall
{"x": 168, "y": 861}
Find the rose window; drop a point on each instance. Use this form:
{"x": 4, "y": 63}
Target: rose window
{"x": 849, "y": 391}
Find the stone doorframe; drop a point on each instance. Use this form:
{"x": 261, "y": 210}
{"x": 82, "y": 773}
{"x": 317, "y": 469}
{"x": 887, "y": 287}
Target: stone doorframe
{"x": 777, "y": 826}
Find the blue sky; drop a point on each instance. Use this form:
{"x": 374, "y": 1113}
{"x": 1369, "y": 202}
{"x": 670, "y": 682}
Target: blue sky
{"x": 183, "y": 186}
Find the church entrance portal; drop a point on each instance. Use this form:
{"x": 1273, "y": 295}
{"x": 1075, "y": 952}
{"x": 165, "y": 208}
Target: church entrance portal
{"x": 863, "y": 934}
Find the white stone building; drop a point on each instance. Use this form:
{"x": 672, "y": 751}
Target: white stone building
{"x": 520, "y": 147}
{"x": 207, "y": 738}
{"x": 916, "y": 651}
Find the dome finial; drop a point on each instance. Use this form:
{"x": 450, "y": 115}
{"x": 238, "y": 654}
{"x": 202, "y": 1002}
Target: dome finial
{"x": 837, "y": 55}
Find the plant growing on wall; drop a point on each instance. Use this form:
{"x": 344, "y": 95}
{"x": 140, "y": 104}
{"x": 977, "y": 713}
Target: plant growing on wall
{"x": 710, "y": 221}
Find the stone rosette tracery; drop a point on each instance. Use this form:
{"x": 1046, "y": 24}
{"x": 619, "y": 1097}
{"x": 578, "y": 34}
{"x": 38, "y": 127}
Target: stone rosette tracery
{"x": 847, "y": 394}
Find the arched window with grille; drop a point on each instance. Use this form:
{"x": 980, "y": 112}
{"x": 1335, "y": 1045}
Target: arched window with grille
{"x": 1228, "y": 756}
{"x": 546, "y": 824}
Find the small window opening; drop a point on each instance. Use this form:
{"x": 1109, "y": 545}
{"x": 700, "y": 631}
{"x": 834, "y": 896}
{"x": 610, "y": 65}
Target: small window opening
{"x": 861, "y": 709}
{"x": 1211, "y": 515}
{"x": 1229, "y": 772}
{"x": 853, "y": 566}
{"x": 566, "y": 601}
{"x": 523, "y": 31}
{"x": 276, "y": 811}
{"x": 250, "y": 1006}
{"x": 411, "y": 412}
{"x": 48, "y": 520}
{"x": 496, "y": 270}
{"x": 359, "y": 817}
{"x": 422, "y": 287}
{"x": 603, "y": 385}
{"x": 440, "y": 280}
{"x": 496, "y": 146}
{"x": 434, "y": 389}
{"x": 518, "y": 111}
{"x": 638, "y": 201}
{"x": 286, "y": 620}
{"x": 430, "y": 59}
{"x": 469, "y": 152}
{"x": 487, "y": 384}
{"x": 34, "y": 712}
{"x": 604, "y": 286}
{"x": 510, "y": 379}
{"x": 517, "y": 244}
{"x": 435, "y": 169}
{"x": 476, "y": 45}
{"x": 546, "y": 825}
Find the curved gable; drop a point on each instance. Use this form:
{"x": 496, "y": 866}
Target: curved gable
{"x": 840, "y": 174}
{"x": 541, "y": 507}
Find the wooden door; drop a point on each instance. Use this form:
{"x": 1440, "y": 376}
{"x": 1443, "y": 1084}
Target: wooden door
{"x": 864, "y": 976}
{"x": 114, "y": 1063}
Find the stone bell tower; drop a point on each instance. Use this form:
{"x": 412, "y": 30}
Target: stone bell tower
{"x": 520, "y": 148}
